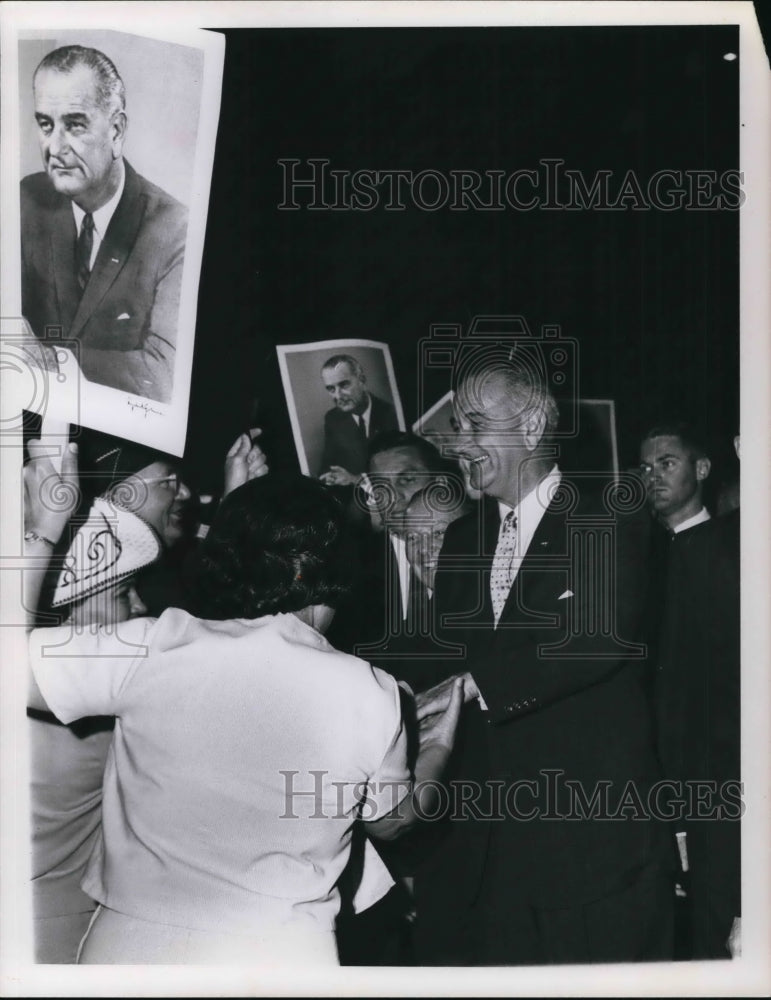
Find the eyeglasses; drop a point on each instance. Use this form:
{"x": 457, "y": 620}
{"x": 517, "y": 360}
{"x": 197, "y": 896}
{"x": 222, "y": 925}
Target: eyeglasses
{"x": 172, "y": 483}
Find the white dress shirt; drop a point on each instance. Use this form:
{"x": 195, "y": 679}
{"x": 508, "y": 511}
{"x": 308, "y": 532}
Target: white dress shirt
{"x": 366, "y": 416}
{"x": 400, "y": 551}
{"x": 691, "y": 522}
{"x": 101, "y": 217}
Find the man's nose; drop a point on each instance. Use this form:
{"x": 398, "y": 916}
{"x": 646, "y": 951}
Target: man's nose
{"x": 57, "y": 142}
{"x": 136, "y": 605}
{"x": 183, "y": 491}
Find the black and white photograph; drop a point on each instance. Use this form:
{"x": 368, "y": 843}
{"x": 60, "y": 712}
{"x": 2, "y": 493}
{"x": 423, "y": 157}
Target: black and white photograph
{"x": 340, "y": 395}
{"x": 385, "y": 551}
{"x": 115, "y": 143}
{"x": 593, "y": 448}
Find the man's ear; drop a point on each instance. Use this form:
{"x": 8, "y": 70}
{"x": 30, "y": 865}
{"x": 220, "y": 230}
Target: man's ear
{"x": 118, "y": 127}
{"x": 534, "y": 427}
{"x": 703, "y": 465}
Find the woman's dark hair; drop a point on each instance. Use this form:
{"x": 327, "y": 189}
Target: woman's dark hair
{"x": 277, "y": 544}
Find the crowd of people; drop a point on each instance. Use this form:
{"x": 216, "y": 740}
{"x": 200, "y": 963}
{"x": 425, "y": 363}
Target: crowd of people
{"x": 432, "y": 707}
{"x": 462, "y": 710}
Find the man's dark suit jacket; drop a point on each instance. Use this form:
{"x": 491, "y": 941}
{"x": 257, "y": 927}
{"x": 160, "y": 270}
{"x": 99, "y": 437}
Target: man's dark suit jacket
{"x": 343, "y": 444}
{"x": 698, "y": 713}
{"x": 571, "y": 704}
{"x": 123, "y": 329}
{"x": 371, "y": 624}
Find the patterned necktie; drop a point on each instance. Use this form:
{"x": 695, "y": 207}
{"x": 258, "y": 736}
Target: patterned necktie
{"x": 83, "y": 250}
{"x": 501, "y": 574}
{"x": 362, "y": 432}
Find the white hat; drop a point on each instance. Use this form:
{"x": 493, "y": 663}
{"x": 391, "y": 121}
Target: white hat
{"x": 113, "y": 543}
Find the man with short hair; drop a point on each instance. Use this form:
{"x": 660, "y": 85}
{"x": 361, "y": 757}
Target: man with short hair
{"x": 426, "y": 519}
{"x": 376, "y": 623}
{"x": 530, "y": 873}
{"x": 356, "y": 418}
{"x": 102, "y": 248}
{"x": 387, "y": 621}
{"x": 695, "y": 632}
{"x": 675, "y": 465}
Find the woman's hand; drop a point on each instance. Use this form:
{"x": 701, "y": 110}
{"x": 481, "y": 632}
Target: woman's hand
{"x": 437, "y": 698}
{"x": 438, "y": 729}
{"x": 245, "y": 461}
{"x": 50, "y": 497}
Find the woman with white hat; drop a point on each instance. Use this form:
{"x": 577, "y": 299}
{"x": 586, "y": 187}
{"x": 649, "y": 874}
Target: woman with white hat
{"x": 95, "y": 585}
{"x": 245, "y": 747}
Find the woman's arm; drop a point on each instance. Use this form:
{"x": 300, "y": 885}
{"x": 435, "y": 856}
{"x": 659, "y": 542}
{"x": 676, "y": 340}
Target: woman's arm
{"x": 436, "y": 737}
{"x": 50, "y": 498}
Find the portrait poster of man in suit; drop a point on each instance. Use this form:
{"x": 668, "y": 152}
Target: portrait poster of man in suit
{"x": 593, "y": 167}
{"x": 110, "y": 252}
{"x": 341, "y": 394}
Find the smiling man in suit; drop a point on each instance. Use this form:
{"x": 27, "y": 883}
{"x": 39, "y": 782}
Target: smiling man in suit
{"x": 555, "y": 857}
{"x": 102, "y": 248}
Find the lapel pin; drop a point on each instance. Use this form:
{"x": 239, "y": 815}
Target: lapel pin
{"x": 114, "y": 260}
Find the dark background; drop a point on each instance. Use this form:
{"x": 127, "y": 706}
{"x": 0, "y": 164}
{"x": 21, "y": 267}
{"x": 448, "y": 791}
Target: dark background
{"x": 652, "y": 297}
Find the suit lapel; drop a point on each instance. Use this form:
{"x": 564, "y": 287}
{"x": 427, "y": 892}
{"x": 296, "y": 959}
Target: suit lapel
{"x": 538, "y": 577}
{"x": 490, "y": 523}
{"x": 63, "y": 237}
{"x": 114, "y": 251}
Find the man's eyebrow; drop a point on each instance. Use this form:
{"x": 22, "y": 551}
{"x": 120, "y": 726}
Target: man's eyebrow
{"x": 40, "y": 115}
{"x": 76, "y": 118}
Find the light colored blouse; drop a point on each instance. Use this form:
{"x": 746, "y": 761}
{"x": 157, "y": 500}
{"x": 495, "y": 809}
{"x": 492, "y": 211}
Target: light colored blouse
{"x": 243, "y": 752}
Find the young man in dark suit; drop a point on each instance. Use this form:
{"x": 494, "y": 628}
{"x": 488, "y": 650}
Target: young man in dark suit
{"x": 102, "y": 248}
{"x": 696, "y": 687}
{"x": 552, "y": 855}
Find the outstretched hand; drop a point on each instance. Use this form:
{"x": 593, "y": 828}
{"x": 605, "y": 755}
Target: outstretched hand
{"x": 50, "y": 497}
{"x": 338, "y": 476}
{"x": 245, "y": 461}
{"x": 437, "y": 699}
{"x": 439, "y": 727}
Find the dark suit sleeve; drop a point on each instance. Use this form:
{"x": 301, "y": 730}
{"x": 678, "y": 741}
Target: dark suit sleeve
{"x": 526, "y": 667}
{"x": 148, "y": 369}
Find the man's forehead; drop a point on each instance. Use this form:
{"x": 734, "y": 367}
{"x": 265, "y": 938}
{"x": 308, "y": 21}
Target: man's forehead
{"x": 402, "y": 459}
{"x": 338, "y": 371}
{"x": 486, "y": 396}
{"x": 665, "y": 444}
{"x": 75, "y": 89}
